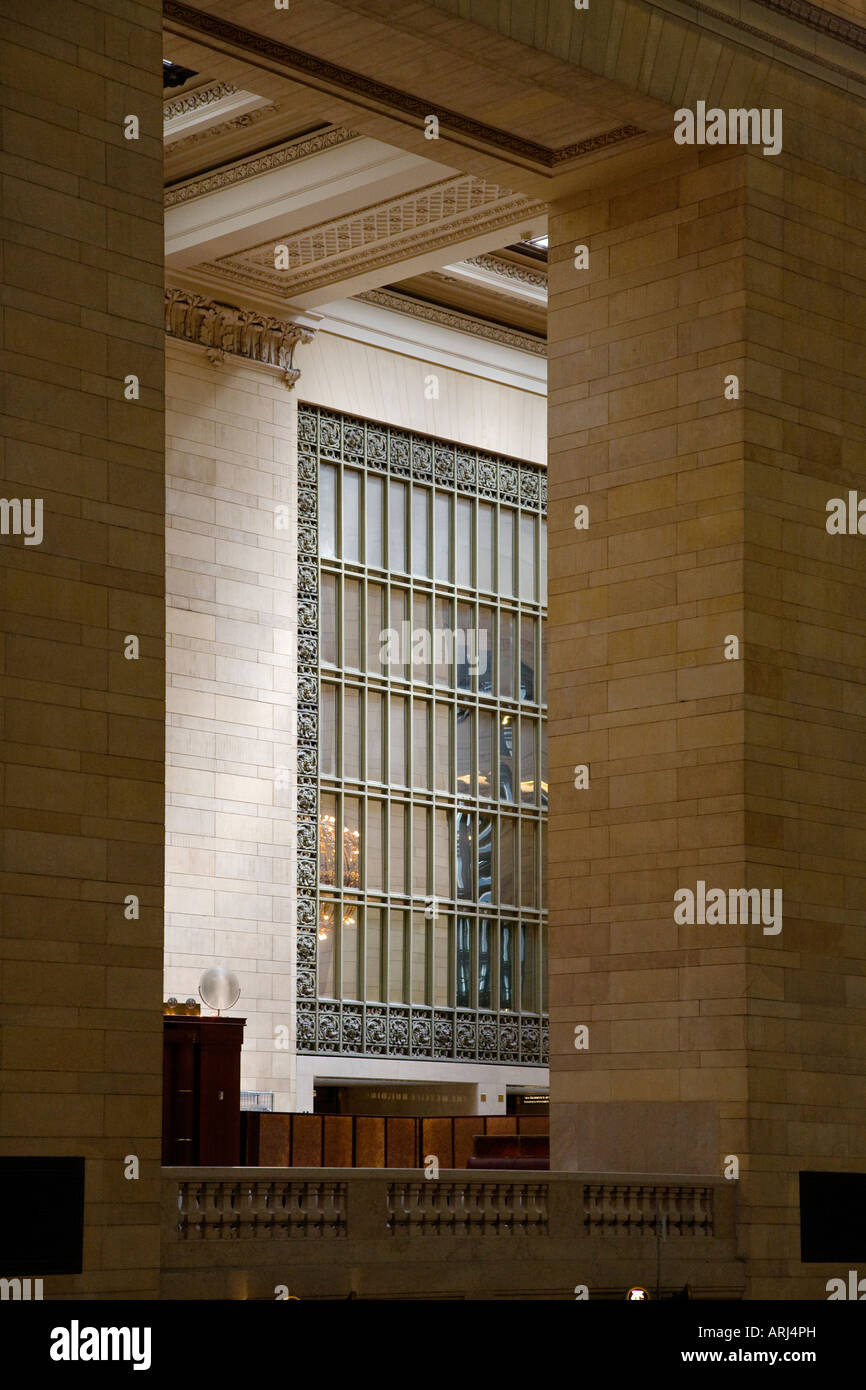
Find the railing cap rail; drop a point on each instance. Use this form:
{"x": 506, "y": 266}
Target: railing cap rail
{"x": 465, "y": 1175}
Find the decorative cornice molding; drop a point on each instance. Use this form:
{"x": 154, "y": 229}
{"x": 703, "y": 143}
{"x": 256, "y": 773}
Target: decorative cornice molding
{"x": 212, "y": 131}
{"x": 300, "y": 64}
{"x": 222, "y": 328}
{"x": 265, "y": 163}
{"x": 454, "y": 318}
{"x": 368, "y": 238}
{"x": 205, "y": 96}
{"x": 833, "y": 25}
{"x": 508, "y": 270}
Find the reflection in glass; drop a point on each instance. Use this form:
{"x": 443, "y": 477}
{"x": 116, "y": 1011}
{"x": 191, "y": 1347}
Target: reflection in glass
{"x": 528, "y": 628}
{"x": 464, "y": 962}
{"x": 373, "y": 953}
{"x": 327, "y": 838}
{"x": 375, "y": 844}
{"x": 485, "y": 652}
{"x": 443, "y": 747}
{"x": 327, "y": 509}
{"x": 375, "y": 741}
{"x": 464, "y": 542}
{"x": 528, "y": 765}
{"x": 542, "y": 558}
{"x": 419, "y": 958}
{"x": 528, "y": 588}
{"x": 443, "y": 883}
{"x": 465, "y": 856}
{"x": 420, "y": 838}
{"x": 420, "y": 531}
{"x": 421, "y": 641}
{"x": 328, "y": 620}
{"x": 352, "y": 733}
{"x": 442, "y": 961}
{"x": 397, "y": 958}
{"x": 397, "y": 741}
{"x": 352, "y": 624}
{"x": 485, "y": 546}
{"x": 528, "y": 867}
{"x": 444, "y": 646}
{"x": 507, "y": 855}
{"x": 397, "y": 526}
{"x": 328, "y": 735}
{"x": 327, "y": 937}
{"x": 375, "y": 521}
{"x": 506, "y": 965}
{"x": 397, "y": 848}
{"x": 485, "y": 964}
{"x": 465, "y": 648}
{"x": 349, "y": 988}
{"x": 375, "y": 627}
{"x": 486, "y": 745}
{"x": 506, "y": 550}
{"x": 396, "y": 657}
{"x": 351, "y": 515}
{"x": 351, "y": 842}
{"x": 528, "y": 969}
{"x": 506, "y": 655}
{"x": 465, "y": 752}
{"x": 544, "y": 766}
{"x": 506, "y": 757}
{"x": 420, "y": 745}
{"x": 443, "y": 537}
{"x": 485, "y": 858}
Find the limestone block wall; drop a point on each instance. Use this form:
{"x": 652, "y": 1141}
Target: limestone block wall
{"x": 83, "y": 727}
{"x": 231, "y": 696}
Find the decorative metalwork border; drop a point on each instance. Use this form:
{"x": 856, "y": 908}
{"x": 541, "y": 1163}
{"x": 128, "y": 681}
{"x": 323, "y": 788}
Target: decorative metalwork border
{"x": 379, "y": 1029}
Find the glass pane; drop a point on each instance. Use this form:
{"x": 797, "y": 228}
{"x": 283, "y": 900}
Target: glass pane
{"x": 542, "y": 559}
{"x": 375, "y": 521}
{"x": 506, "y": 550}
{"x": 506, "y": 757}
{"x": 420, "y": 839}
{"x": 328, "y": 620}
{"x": 376, "y": 637}
{"x": 528, "y": 970}
{"x": 544, "y": 970}
{"x": 375, "y": 737}
{"x": 528, "y": 851}
{"x": 352, "y": 742}
{"x": 327, "y": 959}
{"x": 352, "y": 624}
{"x": 421, "y": 745}
{"x": 485, "y": 964}
{"x": 328, "y": 737}
{"x": 327, "y": 838}
{"x": 528, "y": 630}
{"x": 507, "y": 852}
{"x": 442, "y": 642}
{"x": 506, "y": 656}
{"x": 443, "y": 747}
{"x": 397, "y": 958}
{"x": 465, "y": 752}
{"x": 327, "y": 509}
{"x": 395, "y": 656}
{"x": 464, "y": 963}
{"x": 506, "y": 965}
{"x": 442, "y": 961}
{"x": 465, "y": 856}
{"x": 542, "y": 692}
{"x": 376, "y": 844}
{"x": 528, "y": 589}
{"x": 349, "y": 988}
{"x": 419, "y": 958}
{"x": 443, "y": 537}
{"x": 485, "y": 858}
{"x": 351, "y": 514}
{"x": 397, "y": 741}
{"x": 420, "y": 531}
{"x": 484, "y": 653}
{"x": 465, "y": 647}
{"x": 528, "y": 762}
{"x": 397, "y": 526}
{"x": 351, "y": 842}
{"x": 397, "y": 849}
{"x": 373, "y": 953}
{"x": 486, "y": 745}
{"x": 443, "y": 884}
{"x": 464, "y": 542}
{"x": 485, "y": 546}
{"x": 421, "y": 640}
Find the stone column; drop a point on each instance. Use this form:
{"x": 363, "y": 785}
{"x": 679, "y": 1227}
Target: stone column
{"x": 707, "y": 401}
{"x": 84, "y": 619}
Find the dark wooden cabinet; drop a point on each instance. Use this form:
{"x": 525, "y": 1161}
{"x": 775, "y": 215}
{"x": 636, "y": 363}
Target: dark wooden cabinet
{"x": 201, "y": 1097}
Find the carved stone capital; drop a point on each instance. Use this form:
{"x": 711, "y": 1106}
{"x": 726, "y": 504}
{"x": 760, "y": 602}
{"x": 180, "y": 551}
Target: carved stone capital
{"x": 224, "y": 328}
